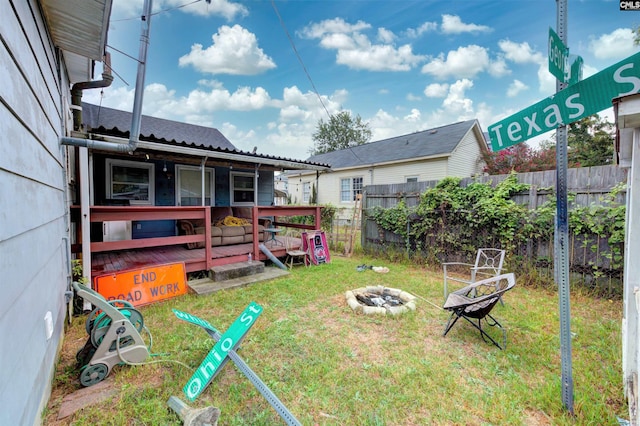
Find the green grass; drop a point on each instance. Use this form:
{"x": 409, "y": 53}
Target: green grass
{"x": 331, "y": 366}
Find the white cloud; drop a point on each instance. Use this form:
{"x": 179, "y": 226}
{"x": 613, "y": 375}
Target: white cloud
{"x": 413, "y": 98}
{"x": 414, "y": 116}
{"x": 456, "y": 102}
{"x": 356, "y": 51}
{"x": 515, "y": 88}
{"x": 424, "y": 28}
{"x": 234, "y": 51}
{"x": 386, "y": 36}
{"x": 332, "y": 26}
{"x": 520, "y": 53}
{"x": 615, "y": 45}
{"x": 124, "y": 9}
{"x": 436, "y": 90}
{"x": 452, "y": 24}
{"x": 466, "y": 62}
{"x": 498, "y": 68}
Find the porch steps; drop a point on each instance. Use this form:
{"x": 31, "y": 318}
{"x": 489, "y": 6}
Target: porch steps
{"x": 234, "y": 276}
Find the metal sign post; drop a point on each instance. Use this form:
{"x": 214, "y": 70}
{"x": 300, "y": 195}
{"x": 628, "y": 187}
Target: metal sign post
{"x": 561, "y": 246}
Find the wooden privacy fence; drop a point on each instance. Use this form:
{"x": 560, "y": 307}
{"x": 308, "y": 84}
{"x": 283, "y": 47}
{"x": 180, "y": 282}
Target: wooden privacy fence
{"x": 589, "y": 256}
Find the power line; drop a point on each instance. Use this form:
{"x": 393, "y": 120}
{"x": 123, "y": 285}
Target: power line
{"x": 293, "y": 46}
{"x": 161, "y": 11}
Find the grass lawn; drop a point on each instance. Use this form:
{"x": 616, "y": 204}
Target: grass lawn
{"x": 331, "y": 366}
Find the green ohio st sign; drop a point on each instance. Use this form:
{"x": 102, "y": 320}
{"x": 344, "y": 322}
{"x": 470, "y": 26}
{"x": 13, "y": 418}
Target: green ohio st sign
{"x": 577, "y": 101}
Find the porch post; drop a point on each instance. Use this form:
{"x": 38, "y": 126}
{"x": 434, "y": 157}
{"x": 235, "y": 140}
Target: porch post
{"x": 85, "y": 219}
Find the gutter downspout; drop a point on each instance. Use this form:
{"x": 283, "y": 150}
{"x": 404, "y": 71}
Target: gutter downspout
{"x": 137, "y": 101}
{"x": 78, "y": 88}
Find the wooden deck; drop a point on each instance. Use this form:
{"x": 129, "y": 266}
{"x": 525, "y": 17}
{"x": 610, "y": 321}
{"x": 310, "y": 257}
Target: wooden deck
{"x": 122, "y": 260}
{"x": 112, "y": 256}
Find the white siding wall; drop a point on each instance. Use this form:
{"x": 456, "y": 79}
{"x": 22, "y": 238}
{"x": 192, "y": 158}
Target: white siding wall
{"x": 465, "y": 159}
{"x": 33, "y": 224}
{"x": 329, "y": 183}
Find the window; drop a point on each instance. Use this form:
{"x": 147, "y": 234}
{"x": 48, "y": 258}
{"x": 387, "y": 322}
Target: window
{"x": 306, "y": 191}
{"x": 189, "y": 183}
{"x": 242, "y": 189}
{"x": 130, "y": 180}
{"x": 349, "y": 188}
{"x": 411, "y": 179}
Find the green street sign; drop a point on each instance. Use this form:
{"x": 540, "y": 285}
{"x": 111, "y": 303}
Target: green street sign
{"x": 576, "y": 70}
{"x": 218, "y": 354}
{"x": 577, "y": 101}
{"x": 558, "y": 56}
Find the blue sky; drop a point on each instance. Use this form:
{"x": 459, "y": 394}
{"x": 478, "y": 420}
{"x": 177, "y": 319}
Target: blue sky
{"x": 403, "y": 66}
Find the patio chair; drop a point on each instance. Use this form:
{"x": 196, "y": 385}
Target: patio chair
{"x": 475, "y": 302}
{"x": 489, "y": 263}
{"x": 296, "y": 255}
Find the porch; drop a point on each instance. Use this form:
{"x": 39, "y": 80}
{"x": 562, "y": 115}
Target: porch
{"x": 115, "y": 256}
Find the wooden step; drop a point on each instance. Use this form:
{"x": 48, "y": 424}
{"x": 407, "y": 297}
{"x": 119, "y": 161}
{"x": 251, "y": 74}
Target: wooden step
{"x": 207, "y": 286}
{"x": 235, "y": 270}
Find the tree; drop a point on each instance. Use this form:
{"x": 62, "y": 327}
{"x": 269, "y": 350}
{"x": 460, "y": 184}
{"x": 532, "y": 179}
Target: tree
{"x": 590, "y": 142}
{"x": 340, "y": 132}
{"x": 520, "y": 158}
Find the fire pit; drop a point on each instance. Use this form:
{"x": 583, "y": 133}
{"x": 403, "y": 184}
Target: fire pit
{"x": 380, "y": 300}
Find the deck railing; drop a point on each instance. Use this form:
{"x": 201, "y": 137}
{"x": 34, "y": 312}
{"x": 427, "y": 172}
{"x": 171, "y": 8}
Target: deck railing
{"x": 145, "y": 213}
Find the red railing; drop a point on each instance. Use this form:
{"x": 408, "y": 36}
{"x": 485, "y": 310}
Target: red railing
{"x": 142, "y": 213}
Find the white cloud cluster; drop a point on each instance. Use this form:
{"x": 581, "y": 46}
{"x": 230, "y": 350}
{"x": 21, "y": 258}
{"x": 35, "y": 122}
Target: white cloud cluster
{"x": 452, "y": 24}
{"x": 234, "y": 50}
{"x": 465, "y": 62}
{"x": 225, "y": 8}
{"x": 355, "y": 50}
{"x": 616, "y": 45}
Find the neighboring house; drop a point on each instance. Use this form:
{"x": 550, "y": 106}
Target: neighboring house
{"x": 447, "y": 151}
{"x": 46, "y": 47}
{"x": 281, "y": 185}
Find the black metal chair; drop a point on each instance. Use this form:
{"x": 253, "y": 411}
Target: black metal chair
{"x": 475, "y": 302}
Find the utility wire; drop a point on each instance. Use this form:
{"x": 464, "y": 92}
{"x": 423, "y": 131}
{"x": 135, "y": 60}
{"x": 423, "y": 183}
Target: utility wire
{"x": 293, "y": 46}
{"x": 161, "y": 11}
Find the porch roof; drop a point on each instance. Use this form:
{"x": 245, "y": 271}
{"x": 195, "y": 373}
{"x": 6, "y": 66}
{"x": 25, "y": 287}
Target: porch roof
{"x": 177, "y": 138}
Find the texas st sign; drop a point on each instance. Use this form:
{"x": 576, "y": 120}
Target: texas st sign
{"x": 577, "y": 101}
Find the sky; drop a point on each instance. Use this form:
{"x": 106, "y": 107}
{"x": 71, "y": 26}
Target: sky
{"x": 265, "y": 73}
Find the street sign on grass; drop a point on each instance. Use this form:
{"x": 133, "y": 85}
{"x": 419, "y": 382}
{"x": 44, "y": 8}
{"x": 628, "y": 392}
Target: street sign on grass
{"x": 577, "y": 101}
{"x": 218, "y": 354}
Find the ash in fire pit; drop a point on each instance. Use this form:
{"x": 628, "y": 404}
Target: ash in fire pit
{"x": 380, "y": 300}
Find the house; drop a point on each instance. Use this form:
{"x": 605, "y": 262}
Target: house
{"x": 451, "y": 150}
{"x": 173, "y": 165}
{"x": 281, "y": 187}
{"x": 47, "y": 47}
{"x": 55, "y": 174}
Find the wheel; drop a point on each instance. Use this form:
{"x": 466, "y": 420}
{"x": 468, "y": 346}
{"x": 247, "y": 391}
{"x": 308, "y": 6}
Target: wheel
{"x": 92, "y": 374}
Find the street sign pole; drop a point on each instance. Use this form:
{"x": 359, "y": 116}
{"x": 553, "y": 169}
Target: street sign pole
{"x": 561, "y": 246}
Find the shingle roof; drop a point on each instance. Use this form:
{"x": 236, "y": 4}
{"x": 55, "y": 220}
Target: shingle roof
{"x": 95, "y": 117}
{"x": 103, "y": 120}
{"x": 428, "y": 143}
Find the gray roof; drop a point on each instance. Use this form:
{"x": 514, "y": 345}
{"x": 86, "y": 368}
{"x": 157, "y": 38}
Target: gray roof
{"x": 113, "y": 122}
{"x": 95, "y": 117}
{"x": 438, "y": 141}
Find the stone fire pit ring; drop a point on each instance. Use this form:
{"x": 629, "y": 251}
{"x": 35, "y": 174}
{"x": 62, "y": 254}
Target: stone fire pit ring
{"x": 396, "y": 301}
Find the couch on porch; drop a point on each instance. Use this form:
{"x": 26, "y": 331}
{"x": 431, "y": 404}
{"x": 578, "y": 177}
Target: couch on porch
{"x": 229, "y": 225}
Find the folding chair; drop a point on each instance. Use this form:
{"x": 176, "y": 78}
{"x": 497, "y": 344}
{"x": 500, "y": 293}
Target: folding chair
{"x": 475, "y": 302}
{"x": 296, "y": 255}
{"x": 489, "y": 263}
